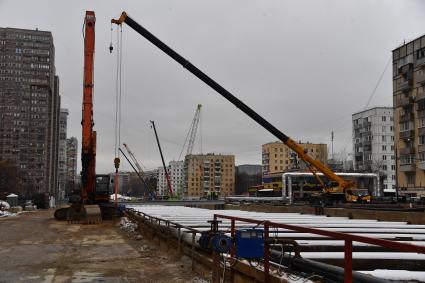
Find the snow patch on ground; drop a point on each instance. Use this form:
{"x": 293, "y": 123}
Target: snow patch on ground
{"x": 6, "y": 213}
{"x": 397, "y": 274}
{"x": 127, "y": 225}
{"x": 120, "y": 197}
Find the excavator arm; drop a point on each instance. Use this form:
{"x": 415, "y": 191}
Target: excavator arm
{"x": 342, "y": 184}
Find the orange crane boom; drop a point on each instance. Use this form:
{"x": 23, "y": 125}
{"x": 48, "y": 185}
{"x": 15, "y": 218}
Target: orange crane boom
{"x": 88, "y": 150}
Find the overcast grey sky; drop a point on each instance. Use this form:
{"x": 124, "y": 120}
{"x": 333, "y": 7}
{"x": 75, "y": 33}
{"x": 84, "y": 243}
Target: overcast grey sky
{"x": 306, "y": 66}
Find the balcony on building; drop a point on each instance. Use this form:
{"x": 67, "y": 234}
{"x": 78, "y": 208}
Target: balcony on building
{"x": 406, "y": 117}
{"x": 406, "y": 70}
{"x": 359, "y": 151}
{"x": 405, "y": 135}
{"x": 421, "y": 164}
{"x": 420, "y": 61}
{"x": 357, "y": 126}
{"x": 407, "y": 163}
{"x": 405, "y": 101}
{"x": 420, "y": 77}
{"x": 405, "y": 86}
{"x": 407, "y": 151}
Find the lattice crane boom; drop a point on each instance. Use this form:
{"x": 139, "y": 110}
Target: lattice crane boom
{"x": 193, "y": 130}
{"x": 133, "y": 158}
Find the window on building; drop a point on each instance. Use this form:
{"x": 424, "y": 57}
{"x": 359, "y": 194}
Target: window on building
{"x": 392, "y": 167}
{"x": 391, "y": 128}
{"x": 384, "y": 157}
{"x": 384, "y": 147}
{"x": 420, "y": 53}
{"x": 384, "y": 138}
{"x": 421, "y": 105}
{"x": 406, "y": 126}
{"x": 421, "y": 139}
{"x": 392, "y": 177}
{"x": 411, "y": 179}
{"x": 384, "y": 167}
{"x": 383, "y": 129}
{"x": 421, "y": 156}
{"x": 384, "y": 118}
{"x": 421, "y": 121}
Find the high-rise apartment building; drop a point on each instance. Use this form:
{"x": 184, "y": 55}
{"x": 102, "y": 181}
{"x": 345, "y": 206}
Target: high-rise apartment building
{"x": 176, "y": 173}
{"x": 29, "y": 107}
{"x": 71, "y": 163}
{"x": 62, "y": 165}
{"x": 205, "y": 173}
{"x": 373, "y": 145}
{"x": 278, "y": 158}
{"x": 409, "y": 116}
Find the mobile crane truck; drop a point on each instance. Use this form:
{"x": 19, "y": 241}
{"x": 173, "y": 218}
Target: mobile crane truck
{"x": 344, "y": 189}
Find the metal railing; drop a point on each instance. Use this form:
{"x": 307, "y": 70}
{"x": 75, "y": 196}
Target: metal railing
{"x": 347, "y": 238}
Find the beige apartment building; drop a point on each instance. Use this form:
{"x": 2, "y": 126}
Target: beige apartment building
{"x": 278, "y": 158}
{"x": 205, "y": 173}
{"x": 409, "y": 116}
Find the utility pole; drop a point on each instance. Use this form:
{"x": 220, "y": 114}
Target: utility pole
{"x": 162, "y": 158}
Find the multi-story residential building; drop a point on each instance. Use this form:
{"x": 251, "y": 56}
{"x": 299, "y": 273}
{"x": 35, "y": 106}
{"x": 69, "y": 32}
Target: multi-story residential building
{"x": 176, "y": 170}
{"x": 62, "y": 165}
{"x": 210, "y": 172}
{"x": 373, "y": 145}
{"x": 29, "y": 107}
{"x": 278, "y": 158}
{"x": 176, "y": 173}
{"x": 71, "y": 163}
{"x": 409, "y": 116}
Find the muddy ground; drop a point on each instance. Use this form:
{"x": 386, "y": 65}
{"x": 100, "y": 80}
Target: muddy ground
{"x": 36, "y": 248}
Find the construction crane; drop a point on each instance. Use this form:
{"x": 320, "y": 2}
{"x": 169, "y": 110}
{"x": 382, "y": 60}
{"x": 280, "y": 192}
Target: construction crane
{"x": 344, "y": 188}
{"x": 193, "y": 130}
{"x": 139, "y": 171}
{"x": 133, "y": 158}
{"x": 191, "y": 134}
{"x": 167, "y": 176}
{"x": 94, "y": 188}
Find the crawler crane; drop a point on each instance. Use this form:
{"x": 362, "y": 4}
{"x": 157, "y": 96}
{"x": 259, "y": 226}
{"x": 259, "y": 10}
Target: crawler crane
{"x": 344, "y": 191}
{"x": 94, "y": 190}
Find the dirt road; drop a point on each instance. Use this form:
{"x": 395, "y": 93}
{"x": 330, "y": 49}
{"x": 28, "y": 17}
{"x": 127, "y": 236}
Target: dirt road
{"x": 36, "y": 248}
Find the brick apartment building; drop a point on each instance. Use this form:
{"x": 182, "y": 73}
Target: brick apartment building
{"x": 278, "y": 158}
{"x": 205, "y": 173}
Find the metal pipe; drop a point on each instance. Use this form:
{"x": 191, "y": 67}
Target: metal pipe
{"x": 329, "y": 272}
